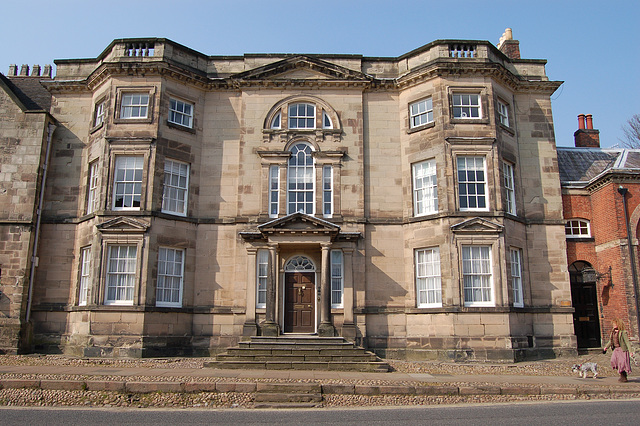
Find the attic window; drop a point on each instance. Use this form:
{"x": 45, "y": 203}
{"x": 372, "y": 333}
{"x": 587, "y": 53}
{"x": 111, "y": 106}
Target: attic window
{"x": 302, "y": 116}
{"x": 275, "y": 123}
{"x": 326, "y": 121}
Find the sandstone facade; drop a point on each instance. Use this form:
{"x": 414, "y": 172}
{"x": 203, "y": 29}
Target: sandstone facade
{"x": 410, "y": 204}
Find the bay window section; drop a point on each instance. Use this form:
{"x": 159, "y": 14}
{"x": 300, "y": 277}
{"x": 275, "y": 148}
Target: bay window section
{"x": 509, "y": 188}
{"x": 516, "y": 277}
{"x": 170, "y": 277}
{"x": 175, "y": 187}
{"x": 134, "y": 106}
{"x": 425, "y": 188}
{"x": 92, "y": 194}
{"x": 121, "y": 274}
{"x": 85, "y": 275}
{"x": 127, "y": 185}
{"x": 472, "y": 183}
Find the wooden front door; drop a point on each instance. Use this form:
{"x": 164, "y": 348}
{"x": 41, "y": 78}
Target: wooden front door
{"x": 584, "y": 295}
{"x": 299, "y": 302}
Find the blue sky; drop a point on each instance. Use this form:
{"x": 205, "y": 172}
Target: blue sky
{"x": 590, "y": 45}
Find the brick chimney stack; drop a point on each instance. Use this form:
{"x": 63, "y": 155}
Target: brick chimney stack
{"x": 508, "y": 45}
{"x": 586, "y": 136}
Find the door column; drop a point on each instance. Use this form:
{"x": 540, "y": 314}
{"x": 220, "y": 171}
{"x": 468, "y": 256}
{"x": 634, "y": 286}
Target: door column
{"x": 270, "y": 326}
{"x": 250, "y": 327}
{"x": 325, "y": 329}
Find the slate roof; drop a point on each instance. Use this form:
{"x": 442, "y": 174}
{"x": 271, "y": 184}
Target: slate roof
{"x": 29, "y": 91}
{"x": 581, "y": 166}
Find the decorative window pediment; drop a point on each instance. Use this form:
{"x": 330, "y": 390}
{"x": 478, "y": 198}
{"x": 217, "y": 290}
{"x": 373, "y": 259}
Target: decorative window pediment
{"x": 299, "y": 223}
{"x": 477, "y": 225}
{"x": 123, "y": 224}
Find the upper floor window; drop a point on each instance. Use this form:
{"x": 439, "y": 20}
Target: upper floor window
{"x": 503, "y": 113}
{"x": 127, "y": 184}
{"x": 577, "y": 228}
{"x": 92, "y": 194}
{"x": 180, "y": 113}
{"x": 274, "y": 191}
{"x": 425, "y": 188}
{"x": 175, "y": 187}
{"x": 121, "y": 274}
{"x": 509, "y": 187}
{"x": 134, "y": 105}
{"x": 275, "y": 122}
{"x": 170, "y": 277}
{"x": 327, "y": 191}
{"x": 466, "y": 105}
{"x": 99, "y": 114}
{"x": 421, "y": 112}
{"x": 326, "y": 121}
{"x": 300, "y": 180}
{"x": 472, "y": 183}
{"x": 428, "y": 281}
{"x": 302, "y": 116}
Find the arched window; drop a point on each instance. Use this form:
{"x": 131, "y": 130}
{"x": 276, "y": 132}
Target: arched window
{"x": 299, "y": 264}
{"x": 300, "y": 179}
{"x": 577, "y": 228}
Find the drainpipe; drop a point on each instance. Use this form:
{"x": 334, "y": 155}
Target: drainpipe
{"x": 634, "y": 272}
{"x": 34, "y": 257}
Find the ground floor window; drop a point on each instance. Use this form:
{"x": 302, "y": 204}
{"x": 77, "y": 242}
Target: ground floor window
{"x": 262, "y": 273}
{"x": 428, "y": 282}
{"x": 170, "y": 277}
{"x": 121, "y": 274}
{"x": 85, "y": 275}
{"x": 337, "y": 278}
{"x": 516, "y": 277}
{"x": 477, "y": 276}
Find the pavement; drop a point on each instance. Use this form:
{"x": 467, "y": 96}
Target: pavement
{"x": 153, "y": 379}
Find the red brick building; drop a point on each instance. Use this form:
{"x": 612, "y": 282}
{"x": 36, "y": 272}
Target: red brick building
{"x": 601, "y": 204}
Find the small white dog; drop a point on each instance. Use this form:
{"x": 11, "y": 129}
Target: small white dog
{"x": 583, "y": 369}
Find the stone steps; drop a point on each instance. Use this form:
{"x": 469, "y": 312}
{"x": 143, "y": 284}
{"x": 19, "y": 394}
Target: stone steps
{"x": 297, "y": 395}
{"x": 299, "y": 353}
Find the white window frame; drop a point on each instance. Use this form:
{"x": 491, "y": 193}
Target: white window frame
{"x": 99, "y": 113}
{"x": 503, "y": 113}
{"x": 134, "y": 105}
{"x": 85, "y": 275}
{"x": 327, "y": 191}
{"x": 276, "y": 121}
{"x": 92, "y": 193}
{"x": 509, "y": 188}
{"x": 428, "y": 278}
{"x": 301, "y": 176}
{"x": 469, "y": 189}
{"x": 477, "y": 275}
{"x": 180, "y": 113}
{"x": 327, "y": 123}
{"x": 170, "y": 277}
{"x": 421, "y": 112}
{"x": 463, "y": 105}
{"x": 577, "y": 228}
{"x": 262, "y": 273}
{"x": 337, "y": 279}
{"x": 425, "y": 188}
{"x": 516, "y": 277}
{"x": 127, "y": 186}
{"x": 274, "y": 191}
{"x": 296, "y": 117}
{"x": 121, "y": 274}
{"x": 175, "y": 191}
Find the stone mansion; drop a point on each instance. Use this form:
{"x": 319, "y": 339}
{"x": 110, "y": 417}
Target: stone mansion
{"x": 159, "y": 201}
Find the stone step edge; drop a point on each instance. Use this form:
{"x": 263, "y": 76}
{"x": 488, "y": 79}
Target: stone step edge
{"x": 326, "y": 389}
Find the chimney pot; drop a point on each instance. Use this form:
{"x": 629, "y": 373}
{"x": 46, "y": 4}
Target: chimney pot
{"x": 581, "y": 121}
{"x": 47, "y": 71}
{"x": 35, "y": 71}
{"x": 589, "y": 121}
{"x": 24, "y": 70}
{"x": 586, "y": 137}
{"x": 13, "y": 70}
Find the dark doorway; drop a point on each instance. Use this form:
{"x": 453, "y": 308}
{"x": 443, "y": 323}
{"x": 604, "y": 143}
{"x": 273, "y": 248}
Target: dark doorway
{"x": 584, "y": 296}
{"x": 299, "y": 302}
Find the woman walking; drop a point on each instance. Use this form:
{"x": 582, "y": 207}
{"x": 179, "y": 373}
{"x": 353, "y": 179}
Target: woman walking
{"x": 619, "y": 343}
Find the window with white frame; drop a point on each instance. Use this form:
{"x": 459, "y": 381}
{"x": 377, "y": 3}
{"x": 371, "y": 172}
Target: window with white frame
{"x": 577, "y": 228}
{"x": 275, "y": 122}
{"x": 180, "y": 113}
{"x": 509, "y": 188}
{"x": 262, "y": 273}
{"x": 477, "y": 276}
{"x": 92, "y": 193}
{"x": 121, "y": 274}
{"x": 127, "y": 184}
{"x": 327, "y": 191}
{"x": 472, "y": 183}
{"x": 516, "y": 277}
{"x": 337, "y": 278}
{"x": 466, "y": 105}
{"x": 175, "y": 187}
{"x": 326, "y": 121}
{"x": 300, "y": 179}
{"x": 302, "y": 116}
{"x": 134, "y": 106}
{"x": 503, "y": 113}
{"x": 170, "y": 277}
{"x": 425, "y": 188}
{"x": 421, "y": 112}
{"x": 274, "y": 191}
{"x": 85, "y": 275}
{"x": 99, "y": 113}
{"x": 428, "y": 281}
